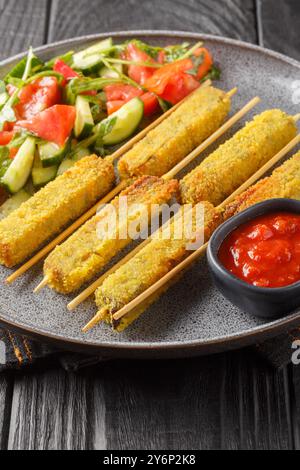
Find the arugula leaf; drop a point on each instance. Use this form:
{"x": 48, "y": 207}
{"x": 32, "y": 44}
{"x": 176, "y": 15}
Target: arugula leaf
{"x": 152, "y": 51}
{"x": 33, "y": 64}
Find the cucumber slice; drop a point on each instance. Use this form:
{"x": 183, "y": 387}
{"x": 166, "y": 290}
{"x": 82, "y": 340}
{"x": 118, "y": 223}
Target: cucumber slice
{"x": 40, "y": 175}
{"x": 127, "y": 120}
{"x": 106, "y": 72}
{"x": 69, "y": 162}
{"x": 19, "y": 170}
{"x": 84, "y": 121}
{"x": 90, "y": 59}
{"x": 51, "y": 154}
{"x": 13, "y": 203}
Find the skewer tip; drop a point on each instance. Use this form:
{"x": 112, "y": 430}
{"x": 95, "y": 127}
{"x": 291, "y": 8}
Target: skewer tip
{"x": 232, "y": 92}
{"x": 96, "y": 319}
{"x": 41, "y": 285}
{"x": 296, "y": 117}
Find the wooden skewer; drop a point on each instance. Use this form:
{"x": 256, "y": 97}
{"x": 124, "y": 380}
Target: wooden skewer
{"x": 185, "y": 263}
{"x": 90, "y": 289}
{"x": 128, "y": 145}
{"x": 189, "y": 157}
{"x": 62, "y": 236}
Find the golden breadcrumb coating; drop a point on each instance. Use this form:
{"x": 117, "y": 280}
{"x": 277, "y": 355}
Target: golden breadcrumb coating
{"x": 151, "y": 263}
{"x": 85, "y": 253}
{"x": 187, "y": 127}
{"x": 284, "y": 182}
{"x": 238, "y": 158}
{"x": 60, "y": 202}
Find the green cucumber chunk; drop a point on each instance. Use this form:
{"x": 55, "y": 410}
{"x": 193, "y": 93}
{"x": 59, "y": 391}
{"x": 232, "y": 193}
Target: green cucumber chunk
{"x": 69, "y": 162}
{"x": 41, "y": 175}
{"x": 51, "y": 154}
{"x": 84, "y": 121}
{"x": 126, "y": 122}
{"x": 106, "y": 72}
{"x": 13, "y": 203}
{"x": 90, "y": 59}
{"x": 19, "y": 170}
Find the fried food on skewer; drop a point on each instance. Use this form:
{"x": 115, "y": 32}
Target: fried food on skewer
{"x": 83, "y": 255}
{"x": 197, "y": 118}
{"x": 238, "y": 158}
{"x": 284, "y": 182}
{"x": 146, "y": 267}
{"x": 52, "y": 207}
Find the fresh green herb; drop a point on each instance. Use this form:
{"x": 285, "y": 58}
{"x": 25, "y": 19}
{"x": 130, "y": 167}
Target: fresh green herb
{"x": 152, "y": 51}
{"x": 165, "y": 105}
{"x": 66, "y": 58}
{"x": 46, "y": 73}
{"x": 197, "y": 61}
{"x": 176, "y": 52}
{"x": 213, "y": 74}
{"x": 31, "y": 64}
{"x": 79, "y": 85}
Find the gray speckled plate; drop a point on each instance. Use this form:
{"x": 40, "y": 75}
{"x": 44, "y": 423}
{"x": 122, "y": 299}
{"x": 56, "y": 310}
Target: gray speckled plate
{"x": 193, "y": 317}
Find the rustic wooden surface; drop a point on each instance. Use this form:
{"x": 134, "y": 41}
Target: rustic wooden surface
{"x": 229, "y": 401}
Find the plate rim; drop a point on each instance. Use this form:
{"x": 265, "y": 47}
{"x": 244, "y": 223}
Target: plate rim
{"x": 197, "y": 346}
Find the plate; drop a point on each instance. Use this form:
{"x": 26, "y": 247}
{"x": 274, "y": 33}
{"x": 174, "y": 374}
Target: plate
{"x": 192, "y": 318}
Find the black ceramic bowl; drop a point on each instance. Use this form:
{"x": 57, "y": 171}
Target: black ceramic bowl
{"x": 260, "y": 301}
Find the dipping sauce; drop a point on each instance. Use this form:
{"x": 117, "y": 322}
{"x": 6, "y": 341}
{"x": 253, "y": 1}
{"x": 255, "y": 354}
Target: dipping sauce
{"x": 265, "y": 251}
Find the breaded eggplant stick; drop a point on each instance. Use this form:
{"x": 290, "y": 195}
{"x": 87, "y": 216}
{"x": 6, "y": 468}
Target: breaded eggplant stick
{"x": 163, "y": 147}
{"x": 85, "y": 253}
{"x": 144, "y": 269}
{"x": 61, "y": 201}
{"x": 238, "y": 158}
{"x": 284, "y": 182}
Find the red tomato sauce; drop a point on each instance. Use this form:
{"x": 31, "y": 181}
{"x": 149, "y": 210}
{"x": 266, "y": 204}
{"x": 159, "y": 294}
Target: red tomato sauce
{"x": 265, "y": 251}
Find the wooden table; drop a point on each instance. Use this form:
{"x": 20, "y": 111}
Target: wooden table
{"x": 228, "y": 401}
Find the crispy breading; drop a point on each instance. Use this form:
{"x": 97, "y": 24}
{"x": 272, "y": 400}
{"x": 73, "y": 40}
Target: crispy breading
{"x": 52, "y": 207}
{"x": 85, "y": 253}
{"x": 151, "y": 263}
{"x": 284, "y": 182}
{"x": 238, "y": 158}
{"x": 189, "y": 125}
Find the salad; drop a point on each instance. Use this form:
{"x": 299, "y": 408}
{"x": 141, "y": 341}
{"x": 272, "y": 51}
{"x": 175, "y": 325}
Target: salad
{"x": 54, "y": 113}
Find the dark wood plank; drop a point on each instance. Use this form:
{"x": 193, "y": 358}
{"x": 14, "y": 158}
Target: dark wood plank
{"x": 6, "y": 389}
{"x": 279, "y": 24}
{"x": 233, "y": 18}
{"x": 50, "y": 410}
{"x": 21, "y": 24}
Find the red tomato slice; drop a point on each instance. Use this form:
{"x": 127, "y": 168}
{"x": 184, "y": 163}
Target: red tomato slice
{"x": 113, "y": 106}
{"x": 178, "y": 87}
{"x": 54, "y": 124}
{"x": 121, "y": 92}
{"x": 138, "y": 73}
{"x": 207, "y": 63}
{"x": 37, "y": 96}
{"x": 61, "y": 67}
{"x": 161, "y": 57}
{"x": 5, "y": 137}
{"x": 151, "y": 104}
